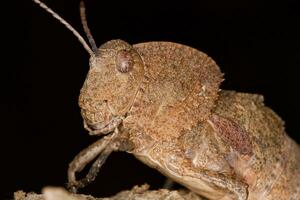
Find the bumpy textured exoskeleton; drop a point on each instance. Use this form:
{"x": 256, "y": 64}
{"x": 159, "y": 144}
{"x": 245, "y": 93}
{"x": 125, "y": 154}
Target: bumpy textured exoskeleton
{"x": 135, "y": 90}
{"x": 160, "y": 101}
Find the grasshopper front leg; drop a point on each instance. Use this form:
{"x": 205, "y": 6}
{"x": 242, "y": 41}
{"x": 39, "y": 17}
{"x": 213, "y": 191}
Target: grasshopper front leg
{"x": 101, "y": 148}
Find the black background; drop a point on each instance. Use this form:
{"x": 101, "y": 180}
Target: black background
{"x": 256, "y": 43}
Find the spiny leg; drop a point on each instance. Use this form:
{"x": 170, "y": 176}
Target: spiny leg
{"x": 85, "y": 157}
{"x": 90, "y": 177}
{"x": 118, "y": 143}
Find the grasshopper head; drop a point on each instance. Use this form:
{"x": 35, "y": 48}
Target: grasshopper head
{"x": 115, "y": 74}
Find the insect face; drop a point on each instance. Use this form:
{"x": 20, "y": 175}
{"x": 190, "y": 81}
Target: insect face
{"x": 115, "y": 74}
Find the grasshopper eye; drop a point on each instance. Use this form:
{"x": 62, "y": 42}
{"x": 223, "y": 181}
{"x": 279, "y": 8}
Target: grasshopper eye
{"x": 124, "y": 61}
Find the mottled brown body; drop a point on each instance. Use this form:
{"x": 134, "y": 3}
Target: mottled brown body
{"x": 161, "y": 102}
{"x": 202, "y": 157}
{"x": 221, "y": 145}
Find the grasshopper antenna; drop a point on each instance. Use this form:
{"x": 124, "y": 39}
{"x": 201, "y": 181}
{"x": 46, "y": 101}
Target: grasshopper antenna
{"x": 86, "y": 27}
{"x": 64, "y": 22}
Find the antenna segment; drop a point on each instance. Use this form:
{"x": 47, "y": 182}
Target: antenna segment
{"x": 86, "y": 27}
{"x": 64, "y": 22}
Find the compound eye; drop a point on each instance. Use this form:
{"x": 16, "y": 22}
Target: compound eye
{"x": 124, "y": 61}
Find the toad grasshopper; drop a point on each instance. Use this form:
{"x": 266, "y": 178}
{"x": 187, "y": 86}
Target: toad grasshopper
{"x": 161, "y": 102}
